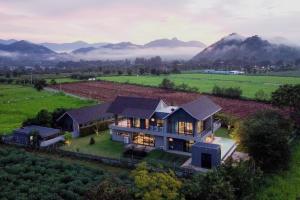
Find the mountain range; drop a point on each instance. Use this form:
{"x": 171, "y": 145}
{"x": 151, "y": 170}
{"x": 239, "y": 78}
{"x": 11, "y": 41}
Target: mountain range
{"x": 236, "y": 50}
{"x": 232, "y": 50}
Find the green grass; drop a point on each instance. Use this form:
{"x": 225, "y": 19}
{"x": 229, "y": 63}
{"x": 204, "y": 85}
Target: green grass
{"x": 17, "y": 103}
{"x": 286, "y": 184}
{"x": 292, "y": 73}
{"x": 103, "y": 146}
{"x": 222, "y": 132}
{"x": 63, "y": 80}
{"x": 205, "y": 82}
{"x": 169, "y": 158}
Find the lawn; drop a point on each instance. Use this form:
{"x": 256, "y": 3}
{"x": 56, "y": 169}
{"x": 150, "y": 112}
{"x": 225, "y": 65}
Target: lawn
{"x": 18, "y": 103}
{"x": 103, "y": 146}
{"x": 222, "y": 132}
{"x": 286, "y": 184}
{"x": 205, "y": 82}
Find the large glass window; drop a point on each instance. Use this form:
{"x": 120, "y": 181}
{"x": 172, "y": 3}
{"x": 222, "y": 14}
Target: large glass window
{"x": 199, "y": 126}
{"x": 136, "y": 123}
{"x": 160, "y": 123}
{"x": 184, "y": 128}
{"x": 143, "y": 139}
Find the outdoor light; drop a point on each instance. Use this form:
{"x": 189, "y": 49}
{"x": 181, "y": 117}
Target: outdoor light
{"x": 152, "y": 119}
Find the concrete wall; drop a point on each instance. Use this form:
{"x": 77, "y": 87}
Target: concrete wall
{"x": 212, "y": 149}
{"x": 159, "y": 142}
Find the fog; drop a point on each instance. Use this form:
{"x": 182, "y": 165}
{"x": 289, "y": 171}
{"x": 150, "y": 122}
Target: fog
{"x": 183, "y": 53}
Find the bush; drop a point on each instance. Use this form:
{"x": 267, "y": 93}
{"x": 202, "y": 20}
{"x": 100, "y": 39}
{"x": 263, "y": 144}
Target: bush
{"x": 167, "y": 84}
{"x": 92, "y": 141}
{"x": 40, "y": 84}
{"x": 230, "y": 92}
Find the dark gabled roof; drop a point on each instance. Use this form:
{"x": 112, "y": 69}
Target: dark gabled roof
{"x": 43, "y": 131}
{"x": 133, "y": 106}
{"x": 89, "y": 114}
{"x": 160, "y": 115}
{"x": 201, "y": 108}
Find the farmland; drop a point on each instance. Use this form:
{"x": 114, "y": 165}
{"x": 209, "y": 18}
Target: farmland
{"x": 18, "y": 103}
{"x": 205, "y": 82}
{"x": 24, "y": 175}
{"x": 107, "y": 91}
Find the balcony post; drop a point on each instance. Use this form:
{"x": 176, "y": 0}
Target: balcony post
{"x": 116, "y": 119}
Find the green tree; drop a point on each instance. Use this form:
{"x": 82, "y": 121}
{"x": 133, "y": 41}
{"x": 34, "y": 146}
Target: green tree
{"x": 40, "y": 84}
{"x": 155, "y": 185}
{"x": 34, "y": 139}
{"x": 167, "y": 84}
{"x": 209, "y": 186}
{"x": 53, "y": 82}
{"x": 265, "y": 135}
{"x": 288, "y": 96}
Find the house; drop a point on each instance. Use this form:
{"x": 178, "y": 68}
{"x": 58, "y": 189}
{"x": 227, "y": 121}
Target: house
{"x": 152, "y": 123}
{"x": 77, "y": 119}
{"x": 46, "y": 136}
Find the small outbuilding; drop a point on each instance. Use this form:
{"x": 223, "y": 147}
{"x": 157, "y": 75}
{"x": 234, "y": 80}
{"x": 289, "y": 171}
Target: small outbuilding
{"x": 23, "y": 135}
{"x": 77, "y": 119}
{"x": 206, "y": 155}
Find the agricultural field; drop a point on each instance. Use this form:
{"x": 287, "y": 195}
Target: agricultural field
{"x": 18, "y": 103}
{"x": 205, "y": 82}
{"x": 108, "y": 91}
{"x": 24, "y": 175}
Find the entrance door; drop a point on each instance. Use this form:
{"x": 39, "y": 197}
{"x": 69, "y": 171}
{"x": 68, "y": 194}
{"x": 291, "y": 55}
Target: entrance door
{"x": 206, "y": 160}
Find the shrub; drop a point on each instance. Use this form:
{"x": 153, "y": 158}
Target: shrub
{"x": 167, "y": 84}
{"x": 230, "y": 92}
{"x": 40, "y": 84}
{"x": 92, "y": 141}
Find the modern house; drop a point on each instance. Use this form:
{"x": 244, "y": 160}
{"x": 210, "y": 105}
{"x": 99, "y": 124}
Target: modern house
{"x": 46, "y": 136}
{"x": 77, "y": 119}
{"x": 152, "y": 123}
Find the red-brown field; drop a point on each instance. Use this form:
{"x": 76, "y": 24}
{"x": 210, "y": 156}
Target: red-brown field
{"x": 107, "y": 91}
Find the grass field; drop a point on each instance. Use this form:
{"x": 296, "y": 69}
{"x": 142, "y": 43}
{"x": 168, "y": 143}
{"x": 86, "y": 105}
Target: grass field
{"x": 294, "y": 73}
{"x": 285, "y": 185}
{"x": 103, "y": 146}
{"x": 205, "y": 82}
{"x": 18, "y": 103}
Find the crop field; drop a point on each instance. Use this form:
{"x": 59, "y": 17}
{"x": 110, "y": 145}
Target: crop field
{"x": 24, "y": 175}
{"x": 18, "y": 103}
{"x": 205, "y": 82}
{"x": 108, "y": 91}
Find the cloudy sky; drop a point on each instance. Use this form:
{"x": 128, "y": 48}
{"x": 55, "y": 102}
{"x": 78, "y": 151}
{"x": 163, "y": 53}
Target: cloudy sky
{"x": 140, "y": 21}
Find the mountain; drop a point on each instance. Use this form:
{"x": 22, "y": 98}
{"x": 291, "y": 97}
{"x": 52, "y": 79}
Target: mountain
{"x": 83, "y": 50}
{"x": 7, "y": 41}
{"x": 122, "y": 45}
{"x": 24, "y": 47}
{"x": 67, "y": 47}
{"x": 236, "y": 50}
{"x": 173, "y": 43}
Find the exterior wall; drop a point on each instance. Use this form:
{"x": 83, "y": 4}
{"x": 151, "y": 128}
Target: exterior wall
{"x": 76, "y": 130}
{"x": 159, "y": 142}
{"x": 197, "y": 152}
{"x": 179, "y": 115}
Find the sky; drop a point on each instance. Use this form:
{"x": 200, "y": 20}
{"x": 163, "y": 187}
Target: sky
{"x": 141, "y": 21}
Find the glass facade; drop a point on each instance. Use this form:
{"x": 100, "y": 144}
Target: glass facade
{"x": 184, "y": 128}
{"x": 143, "y": 139}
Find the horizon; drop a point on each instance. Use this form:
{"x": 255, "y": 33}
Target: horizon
{"x": 143, "y": 21}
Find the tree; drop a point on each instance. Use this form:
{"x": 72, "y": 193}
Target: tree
{"x": 209, "y": 186}
{"x": 167, "y": 84}
{"x": 155, "y": 185}
{"x": 92, "y": 141}
{"x": 265, "y": 135}
{"x": 34, "y": 139}
{"x": 110, "y": 189}
{"x": 53, "y": 82}
{"x": 289, "y": 96}
{"x": 232, "y": 180}
{"x": 40, "y": 84}
{"x": 56, "y": 114}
